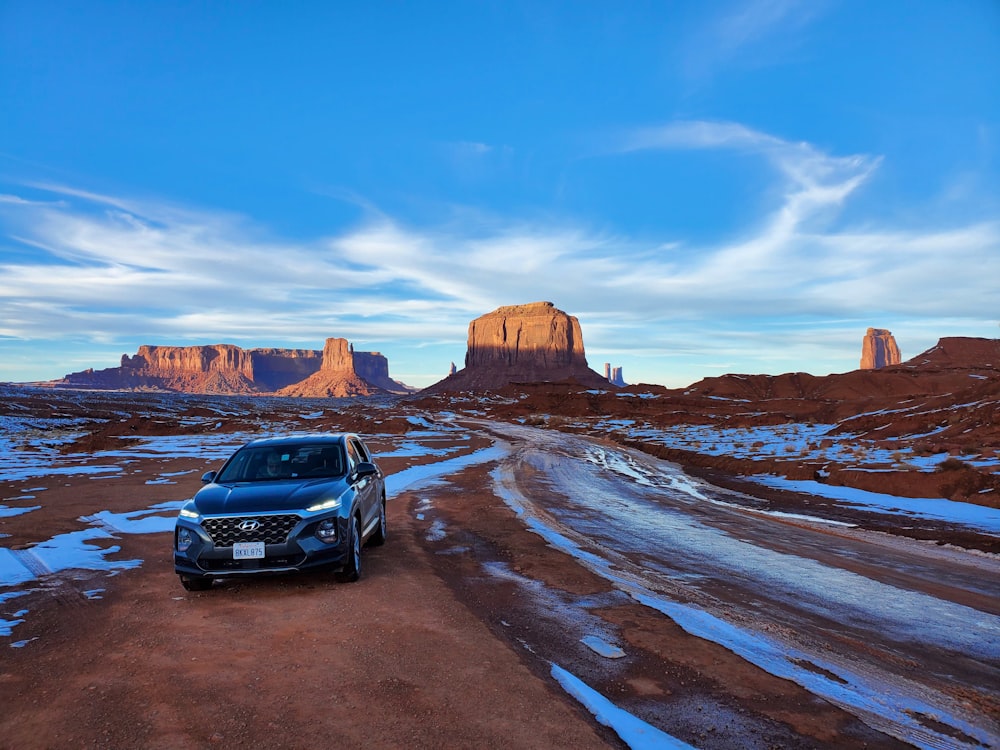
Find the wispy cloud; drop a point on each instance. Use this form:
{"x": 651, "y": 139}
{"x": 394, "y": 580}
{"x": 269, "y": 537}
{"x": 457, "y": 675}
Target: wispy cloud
{"x": 753, "y": 33}
{"x": 108, "y": 268}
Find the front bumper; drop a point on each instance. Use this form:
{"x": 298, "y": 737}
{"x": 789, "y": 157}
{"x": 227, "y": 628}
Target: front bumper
{"x": 301, "y": 550}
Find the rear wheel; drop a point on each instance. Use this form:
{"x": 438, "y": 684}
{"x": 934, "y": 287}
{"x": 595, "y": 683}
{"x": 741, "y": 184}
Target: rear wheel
{"x": 196, "y": 584}
{"x": 352, "y": 568}
{"x": 378, "y": 538}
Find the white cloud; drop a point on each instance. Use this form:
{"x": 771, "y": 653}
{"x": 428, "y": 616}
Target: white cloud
{"x": 107, "y": 268}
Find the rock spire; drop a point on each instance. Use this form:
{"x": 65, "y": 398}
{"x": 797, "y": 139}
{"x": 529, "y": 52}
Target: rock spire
{"x": 879, "y": 350}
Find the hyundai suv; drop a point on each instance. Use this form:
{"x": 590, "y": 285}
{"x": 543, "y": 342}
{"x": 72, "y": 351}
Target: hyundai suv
{"x": 283, "y": 504}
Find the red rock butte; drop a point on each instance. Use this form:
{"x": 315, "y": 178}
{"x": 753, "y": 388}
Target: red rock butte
{"x": 529, "y": 343}
{"x": 879, "y": 350}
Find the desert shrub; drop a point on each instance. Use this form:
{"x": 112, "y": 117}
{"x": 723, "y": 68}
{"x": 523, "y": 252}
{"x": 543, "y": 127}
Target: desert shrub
{"x": 952, "y": 464}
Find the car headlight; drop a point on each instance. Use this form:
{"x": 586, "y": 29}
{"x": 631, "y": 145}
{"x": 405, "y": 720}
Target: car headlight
{"x": 325, "y": 505}
{"x": 184, "y": 539}
{"x": 327, "y": 530}
{"x": 185, "y": 513}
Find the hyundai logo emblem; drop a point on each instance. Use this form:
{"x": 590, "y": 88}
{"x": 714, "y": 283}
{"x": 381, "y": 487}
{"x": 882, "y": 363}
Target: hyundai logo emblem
{"x": 251, "y": 524}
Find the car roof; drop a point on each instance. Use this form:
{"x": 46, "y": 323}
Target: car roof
{"x": 328, "y": 438}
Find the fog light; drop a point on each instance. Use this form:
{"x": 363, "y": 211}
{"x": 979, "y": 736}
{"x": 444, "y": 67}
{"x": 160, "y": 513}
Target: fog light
{"x": 327, "y": 531}
{"x": 184, "y": 539}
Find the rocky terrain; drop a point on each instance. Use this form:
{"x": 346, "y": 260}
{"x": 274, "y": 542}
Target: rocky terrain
{"x": 452, "y": 635}
{"x": 929, "y": 427}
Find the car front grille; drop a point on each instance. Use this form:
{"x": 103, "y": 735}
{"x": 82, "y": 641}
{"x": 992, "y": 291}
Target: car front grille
{"x": 272, "y": 529}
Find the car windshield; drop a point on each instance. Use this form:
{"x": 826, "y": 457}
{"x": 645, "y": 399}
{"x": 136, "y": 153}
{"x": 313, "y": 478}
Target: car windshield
{"x": 299, "y": 461}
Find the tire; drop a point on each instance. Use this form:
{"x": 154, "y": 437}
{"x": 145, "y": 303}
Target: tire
{"x": 196, "y": 584}
{"x": 352, "y": 568}
{"x": 378, "y": 538}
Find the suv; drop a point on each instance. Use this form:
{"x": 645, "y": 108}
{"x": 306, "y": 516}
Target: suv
{"x": 283, "y": 504}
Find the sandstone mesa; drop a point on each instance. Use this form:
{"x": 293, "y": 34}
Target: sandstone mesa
{"x": 335, "y": 371}
{"x": 531, "y": 343}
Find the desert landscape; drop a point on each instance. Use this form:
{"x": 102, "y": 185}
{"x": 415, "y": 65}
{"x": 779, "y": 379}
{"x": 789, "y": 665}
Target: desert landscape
{"x": 752, "y": 561}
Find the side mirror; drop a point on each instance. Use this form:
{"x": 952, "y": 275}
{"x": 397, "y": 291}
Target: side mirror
{"x": 365, "y": 469}
{"x": 208, "y": 477}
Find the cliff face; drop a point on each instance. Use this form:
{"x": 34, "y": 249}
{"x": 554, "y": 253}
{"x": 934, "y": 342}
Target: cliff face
{"x": 228, "y": 369}
{"x": 523, "y": 343}
{"x": 274, "y": 369}
{"x": 534, "y": 337}
{"x": 879, "y": 350}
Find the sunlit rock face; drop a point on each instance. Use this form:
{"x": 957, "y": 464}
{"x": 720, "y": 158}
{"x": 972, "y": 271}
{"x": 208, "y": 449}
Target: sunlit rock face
{"x": 879, "y": 350}
{"x": 536, "y": 342}
{"x": 345, "y": 372}
{"x": 337, "y": 370}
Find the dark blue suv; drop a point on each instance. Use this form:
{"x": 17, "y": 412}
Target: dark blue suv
{"x": 282, "y": 504}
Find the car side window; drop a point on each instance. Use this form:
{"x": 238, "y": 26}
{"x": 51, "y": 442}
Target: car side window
{"x": 361, "y": 450}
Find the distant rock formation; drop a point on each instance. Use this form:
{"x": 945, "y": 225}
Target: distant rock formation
{"x": 522, "y": 344}
{"x": 879, "y": 350}
{"x": 337, "y": 370}
{"x": 614, "y": 375}
{"x": 959, "y": 351}
{"x": 345, "y": 372}
{"x": 944, "y": 368}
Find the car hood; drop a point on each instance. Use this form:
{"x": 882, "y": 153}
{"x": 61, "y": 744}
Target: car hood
{"x": 260, "y": 497}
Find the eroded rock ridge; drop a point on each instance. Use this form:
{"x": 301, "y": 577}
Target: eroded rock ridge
{"x": 337, "y": 370}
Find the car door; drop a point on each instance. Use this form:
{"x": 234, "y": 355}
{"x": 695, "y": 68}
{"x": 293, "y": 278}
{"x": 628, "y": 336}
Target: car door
{"x": 366, "y": 487}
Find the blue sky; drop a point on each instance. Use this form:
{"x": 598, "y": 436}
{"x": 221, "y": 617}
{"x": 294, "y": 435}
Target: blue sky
{"x": 709, "y": 187}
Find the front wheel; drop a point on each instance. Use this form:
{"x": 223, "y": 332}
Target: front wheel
{"x": 352, "y": 568}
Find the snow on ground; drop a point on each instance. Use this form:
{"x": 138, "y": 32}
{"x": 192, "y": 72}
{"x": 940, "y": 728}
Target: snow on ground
{"x": 89, "y": 548}
{"x": 966, "y": 514}
{"x": 799, "y": 442}
{"x": 633, "y": 731}
{"x": 896, "y": 708}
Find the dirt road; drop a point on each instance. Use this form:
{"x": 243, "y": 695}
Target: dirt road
{"x": 450, "y": 639}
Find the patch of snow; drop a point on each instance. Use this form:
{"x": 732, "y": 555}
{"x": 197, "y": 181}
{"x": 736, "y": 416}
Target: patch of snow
{"x": 138, "y": 521}
{"x": 600, "y": 646}
{"x": 7, "y": 512}
{"x": 633, "y": 731}
{"x": 427, "y": 474}
{"x": 976, "y": 516}
{"x": 436, "y": 532}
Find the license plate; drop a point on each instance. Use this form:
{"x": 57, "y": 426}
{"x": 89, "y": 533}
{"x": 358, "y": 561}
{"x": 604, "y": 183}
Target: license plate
{"x": 248, "y": 550}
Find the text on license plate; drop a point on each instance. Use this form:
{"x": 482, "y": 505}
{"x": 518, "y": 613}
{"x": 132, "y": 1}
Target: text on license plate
{"x": 248, "y": 550}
